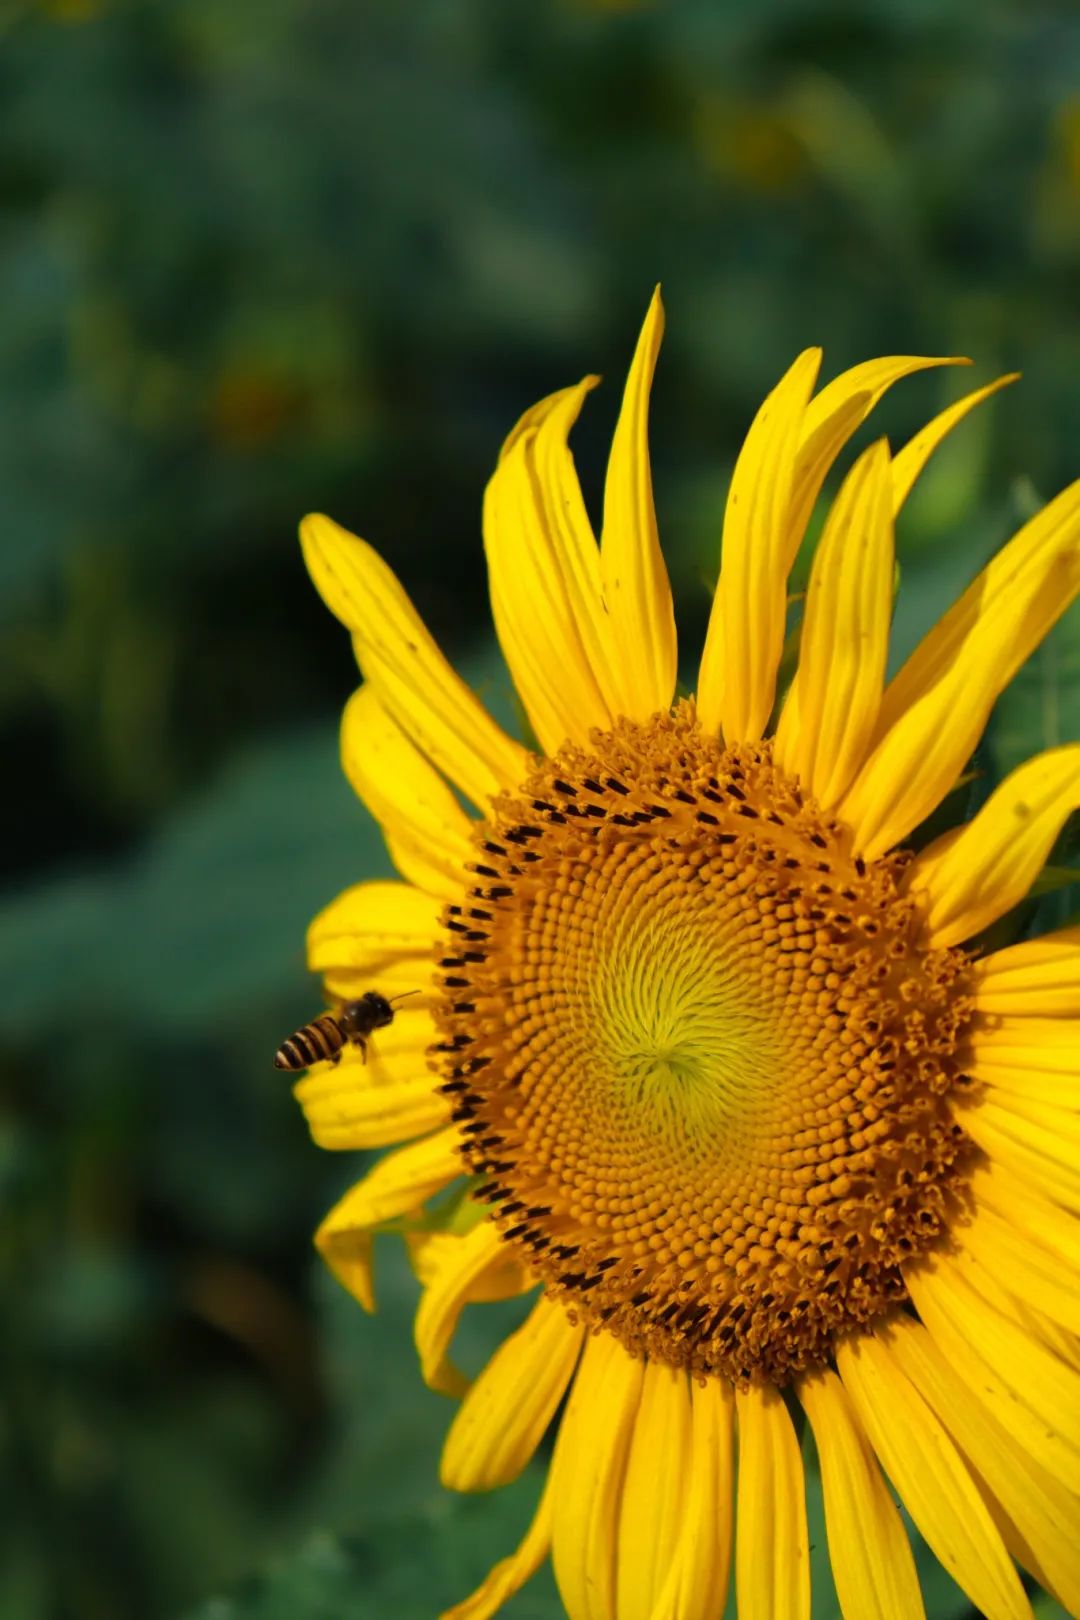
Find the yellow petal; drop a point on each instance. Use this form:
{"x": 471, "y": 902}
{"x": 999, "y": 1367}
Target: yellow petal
{"x": 1048, "y": 1117}
{"x": 870, "y": 379}
{"x": 1030, "y": 1147}
{"x": 834, "y": 700}
{"x": 406, "y": 975}
{"x": 505, "y": 1414}
{"x": 909, "y": 462}
{"x": 1043, "y": 1510}
{"x": 1065, "y": 1345}
{"x": 1038, "y": 1058}
{"x": 634, "y": 579}
{"x": 510, "y": 1574}
{"x": 1020, "y": 1263}
{"x": 817, "y": 450}
{"x": 400, "y": 660}
{"x": 833, "y": 416}
{"x": 1025, "y": 1209}
{"x": 869, "y": 1550}
{"x": 398, "y": 1184}
{"x": 587, "y": 1473}
{"x": 346, "y": 1107}
{"x": 737, "y": 680}
{"x": 575, "y": 545}
{"x": 697, "y": 1580}
{"x": 443, "y": 1301}
{"x": 426, "y": 830}
{"x": 1027, "y": 1388}
{"x": 978, "y": 876}
{"x": 1036, "y": 566}
{"x": 1048, "y": 1045}
{"x": 819, "y": 446}
{"x": 934, "y": 711}
{"x": 1037, "y": 978}
{"x": 545, "y": 584}
{"x": 930, "y": 1477}
{"x": 653, "y": 1497}
{"x": 373, "y": 924}
{"x": 772, "y": 1548}
{"x": 429, "y": 1252}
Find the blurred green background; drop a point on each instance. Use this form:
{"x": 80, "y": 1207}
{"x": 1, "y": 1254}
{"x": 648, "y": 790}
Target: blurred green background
{"x": 259, "y": 258}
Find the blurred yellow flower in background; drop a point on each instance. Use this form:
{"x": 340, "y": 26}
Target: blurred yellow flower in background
{"x": 737, "y": 1095}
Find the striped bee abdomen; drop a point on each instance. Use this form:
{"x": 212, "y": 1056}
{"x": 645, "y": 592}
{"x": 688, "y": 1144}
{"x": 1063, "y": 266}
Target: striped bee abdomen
{"x": 318, "y": 1042}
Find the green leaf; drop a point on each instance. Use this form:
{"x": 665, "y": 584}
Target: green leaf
{"x": 1053, "y": 878}
{"x": 1044, "y": 1607}
{"x": 409, "y": 1569}
{"x": 210, "y": 914}
{"x": 375, "y": 1535}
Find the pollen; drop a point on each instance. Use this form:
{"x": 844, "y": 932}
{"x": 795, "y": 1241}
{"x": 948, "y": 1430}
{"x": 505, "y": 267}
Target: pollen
{"x": 698, "y": 1054}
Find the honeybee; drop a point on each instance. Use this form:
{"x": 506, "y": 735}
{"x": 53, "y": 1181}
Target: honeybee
{"x": 325, "y": 1038}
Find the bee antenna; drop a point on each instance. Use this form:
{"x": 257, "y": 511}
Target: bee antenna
{"x": 404, "y": 996}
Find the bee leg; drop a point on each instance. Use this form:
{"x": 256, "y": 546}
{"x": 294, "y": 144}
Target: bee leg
{"x": 362, "y": 1044}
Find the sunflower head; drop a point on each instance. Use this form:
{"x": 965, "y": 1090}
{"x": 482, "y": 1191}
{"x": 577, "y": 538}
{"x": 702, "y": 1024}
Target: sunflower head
{"x": 699, "y": 1052}
{"x": 708, "y": 1025}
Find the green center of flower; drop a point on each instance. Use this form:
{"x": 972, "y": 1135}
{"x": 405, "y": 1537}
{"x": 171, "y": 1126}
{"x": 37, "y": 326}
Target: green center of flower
{"x": 697, "y": 1052}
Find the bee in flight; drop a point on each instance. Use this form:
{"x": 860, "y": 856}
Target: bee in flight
{"x": 325, "y": 1038}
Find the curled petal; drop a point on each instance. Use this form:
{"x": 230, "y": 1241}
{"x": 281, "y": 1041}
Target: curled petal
{"x": 399, "y": 1183}
{"x": 442, "y": 1302}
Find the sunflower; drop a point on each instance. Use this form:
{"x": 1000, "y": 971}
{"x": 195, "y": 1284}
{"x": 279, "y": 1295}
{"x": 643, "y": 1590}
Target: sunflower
{"x": 737, "y": 1095}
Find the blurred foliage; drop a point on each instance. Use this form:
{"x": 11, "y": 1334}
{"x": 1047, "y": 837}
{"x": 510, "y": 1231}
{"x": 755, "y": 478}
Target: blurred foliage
{"x": 260, "y": 258}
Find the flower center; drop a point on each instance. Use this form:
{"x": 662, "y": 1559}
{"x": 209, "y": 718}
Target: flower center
{"x": 697, "y": 1053}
